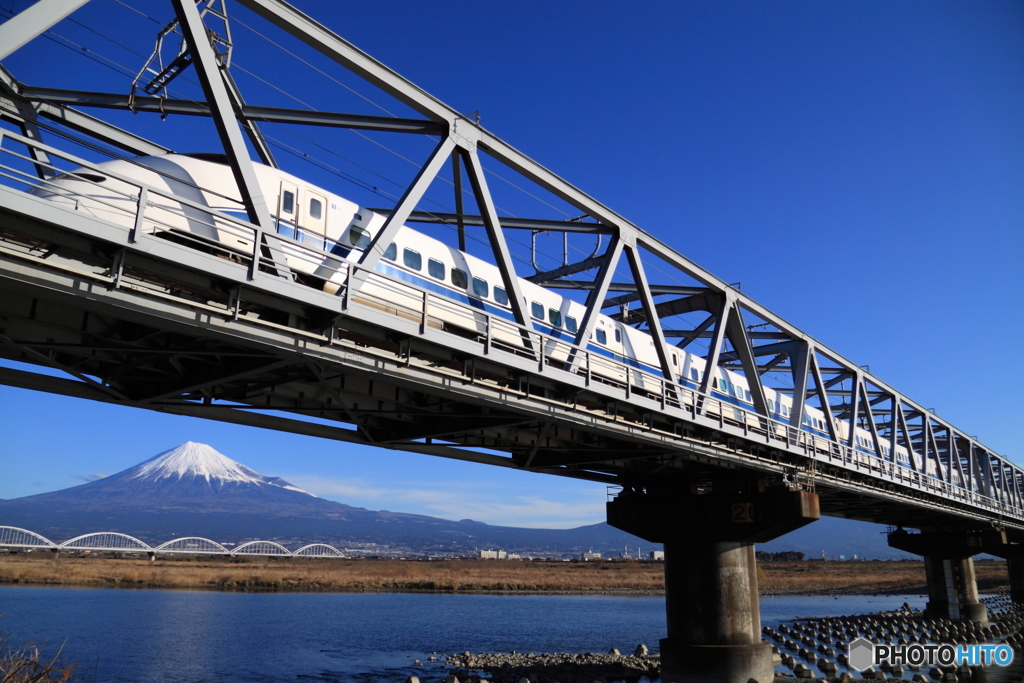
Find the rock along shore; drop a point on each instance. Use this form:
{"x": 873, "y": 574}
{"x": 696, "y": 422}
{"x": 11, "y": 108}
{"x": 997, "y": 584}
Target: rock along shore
{"x": 556, "y": 668}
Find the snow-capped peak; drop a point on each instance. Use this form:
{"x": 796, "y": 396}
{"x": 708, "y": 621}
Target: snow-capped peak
{"x": 198, "y": 460}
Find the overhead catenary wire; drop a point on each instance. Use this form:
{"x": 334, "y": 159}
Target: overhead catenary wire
{"x": 125, "y": 71}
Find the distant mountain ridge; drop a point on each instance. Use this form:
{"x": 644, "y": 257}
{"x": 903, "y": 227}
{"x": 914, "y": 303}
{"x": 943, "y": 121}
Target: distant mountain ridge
{"x": 193, "y": 490}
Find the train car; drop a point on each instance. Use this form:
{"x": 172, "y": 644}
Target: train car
{"x": 322, "y": 234}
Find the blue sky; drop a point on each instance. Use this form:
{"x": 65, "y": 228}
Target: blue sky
{"x": 858, "y": 167}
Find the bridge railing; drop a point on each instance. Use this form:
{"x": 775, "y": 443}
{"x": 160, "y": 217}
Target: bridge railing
{"x": 141, "y": 210}
{"x": 623, "y": 378}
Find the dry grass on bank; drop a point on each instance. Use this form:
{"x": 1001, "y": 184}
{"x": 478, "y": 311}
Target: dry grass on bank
{"x": 512, "y": 576}
{"x": 334, "y": 575}
{"x": 863, "y": 577}
{"x": 26, "y": 664}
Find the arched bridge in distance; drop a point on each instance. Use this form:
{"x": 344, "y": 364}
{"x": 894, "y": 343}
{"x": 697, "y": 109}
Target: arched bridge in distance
{"x": 114, "y": 542}
{"x": 142, "y": 290}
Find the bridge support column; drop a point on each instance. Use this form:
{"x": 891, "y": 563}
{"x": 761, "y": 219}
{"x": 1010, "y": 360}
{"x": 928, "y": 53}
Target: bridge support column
{"x": 949, "y": 569}
{"x": 1013, "y": 553}
{"x": 1015, "y": 568}
{"x": 714, "y": 620}
{"x": 953, "y": 589}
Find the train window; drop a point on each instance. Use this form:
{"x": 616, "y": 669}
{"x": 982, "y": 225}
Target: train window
{"x": 721, "y": 384}
{"x": 459, "y": 278}
{"x": 693, "y": 374}
{"x": 675, "y": 360}
{"x": 602, "y": 338}
{"x": 316, "y": 209}
{"x": 785, "y": 410}
{"x": 618, "y": 335}
{"x": 501, "y": 296}
{"x": 288, "y": 202}
{"x": 554, "y": 317}
{"x": 360, "y": 239}
{"x": 480, "y": 287}
{"x": 537, "y": 310}
{"x": 392, "y": 252}
{"x": 771, "y": 406}
{"x": 412, "y": 259}
{"x": 570, "y": 324}
{"x": 748, "y": 397}
{"x": 435, "y": 269}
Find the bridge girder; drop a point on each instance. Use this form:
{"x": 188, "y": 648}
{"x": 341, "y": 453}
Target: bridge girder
{"x": 178, "y": 377}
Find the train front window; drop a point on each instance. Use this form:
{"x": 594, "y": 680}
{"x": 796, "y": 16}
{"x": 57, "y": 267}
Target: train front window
{"x": 288, "y": 202}
{"x": 392, "y": 252}
{"x": 359, "y": 238}
{"x": 501, "y": 296}
{"x": 537, "y": 310}
{"x": 316, "y": 209}
{"x": 480, "y": 287}
{"x": 570, "y": 324}
{"x": 554, "y": 317}
{"x": 435, "y": 268}
{"x": 459, "y": 278}
{"x": 412, "y": 259}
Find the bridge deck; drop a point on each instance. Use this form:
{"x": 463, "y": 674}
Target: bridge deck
{"x": 142, "y": 317}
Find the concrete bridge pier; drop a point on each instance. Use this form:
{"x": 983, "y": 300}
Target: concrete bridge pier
{"x": 949, "y": 569}
{"x": 714, "y": 620}
{"x": 1013, "y": 553}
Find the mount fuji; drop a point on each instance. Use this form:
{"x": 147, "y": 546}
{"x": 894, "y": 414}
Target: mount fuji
{"x": 193, "y": 490}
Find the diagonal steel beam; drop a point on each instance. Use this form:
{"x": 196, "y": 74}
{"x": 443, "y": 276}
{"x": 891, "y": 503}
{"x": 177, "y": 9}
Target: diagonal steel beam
{"x": 251, "y": 129}
{"x": 647, "y": 301}
{"x": 800, "y": 370}
{"x": 460, "y": 212}
{"x": 25, "y": 26}
{"x": 207, "y": 383}
{"x": 715, "y": 349}
{"x": 502, "y": 256}
{"x": 507, "y": 222}
{"x": 157, "y": 105}
{"x": 599, "y": 292}
{"x": 737, "y": 333}
{"x": 413, "y": 194}
{"x": 321, "y": 379}
{"x": 869, "y": 414}
{"x": 571, "y": 269}
{"x": 826, "y": 405}
{"x": 854, "y": 411}
{"x": 690, "y": 336}
{"x": 917, "y": 461}
{"x": 207, "y": 69}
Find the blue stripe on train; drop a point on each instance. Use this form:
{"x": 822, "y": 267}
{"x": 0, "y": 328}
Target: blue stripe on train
{"x": 386, "y": 268}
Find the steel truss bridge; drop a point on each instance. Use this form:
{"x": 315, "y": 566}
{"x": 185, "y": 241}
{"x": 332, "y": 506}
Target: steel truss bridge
{"x": 113, "y": 542}
{"x": 138, "y": 314}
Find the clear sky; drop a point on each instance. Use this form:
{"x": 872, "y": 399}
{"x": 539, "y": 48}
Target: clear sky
{"x": 857, "y": 166}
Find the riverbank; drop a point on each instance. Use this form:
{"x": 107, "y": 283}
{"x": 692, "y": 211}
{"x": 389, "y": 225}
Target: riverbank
{"x": 453, "y": 576}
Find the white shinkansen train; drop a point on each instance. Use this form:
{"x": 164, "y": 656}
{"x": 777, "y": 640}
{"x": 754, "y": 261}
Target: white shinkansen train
{"x": 321, "y": 231}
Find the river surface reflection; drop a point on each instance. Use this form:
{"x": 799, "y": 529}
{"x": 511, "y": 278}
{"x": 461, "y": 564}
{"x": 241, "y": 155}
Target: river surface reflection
{"x": 184, "y": 636}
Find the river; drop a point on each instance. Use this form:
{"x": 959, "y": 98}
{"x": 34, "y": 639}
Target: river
{"x": 173, "y": 636}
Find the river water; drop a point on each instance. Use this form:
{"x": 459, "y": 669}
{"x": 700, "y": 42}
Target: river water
{"x": 171, "y": 636}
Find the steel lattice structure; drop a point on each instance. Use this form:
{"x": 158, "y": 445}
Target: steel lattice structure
{"x": 144, "y": 321}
